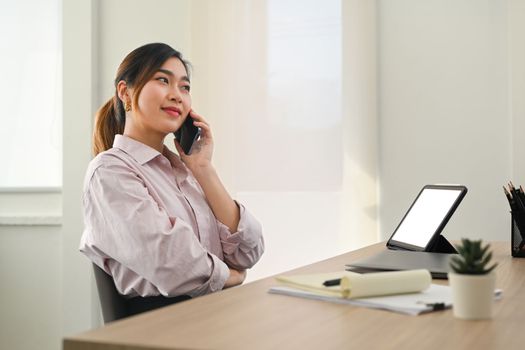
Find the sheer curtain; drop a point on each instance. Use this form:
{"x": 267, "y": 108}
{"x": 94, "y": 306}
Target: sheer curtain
{"x": 291, "y": 131}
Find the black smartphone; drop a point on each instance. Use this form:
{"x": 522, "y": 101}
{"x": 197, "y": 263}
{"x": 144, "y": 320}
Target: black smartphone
{"x": 187, "y": 135}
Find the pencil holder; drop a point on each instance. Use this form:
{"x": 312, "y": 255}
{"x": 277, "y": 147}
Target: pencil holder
{"x": 517, "y": 240}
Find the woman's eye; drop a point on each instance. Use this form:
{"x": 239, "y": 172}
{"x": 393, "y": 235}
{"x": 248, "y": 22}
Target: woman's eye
{"x": 186, "y": 88}
{"x": 164, "y": 80}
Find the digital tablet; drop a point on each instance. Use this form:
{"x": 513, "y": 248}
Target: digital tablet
{"x": 421, "y": 226}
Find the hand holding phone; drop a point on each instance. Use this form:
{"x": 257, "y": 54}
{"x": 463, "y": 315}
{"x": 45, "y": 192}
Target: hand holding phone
{"x": 187, "y": 135}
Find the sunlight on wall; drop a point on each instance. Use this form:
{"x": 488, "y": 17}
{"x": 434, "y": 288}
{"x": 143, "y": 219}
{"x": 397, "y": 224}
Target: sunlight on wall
{"x": 269, "y": 76}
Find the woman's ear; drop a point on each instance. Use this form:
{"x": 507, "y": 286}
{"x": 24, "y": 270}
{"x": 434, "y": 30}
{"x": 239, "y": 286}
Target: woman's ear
{"x": 123, "y": 92}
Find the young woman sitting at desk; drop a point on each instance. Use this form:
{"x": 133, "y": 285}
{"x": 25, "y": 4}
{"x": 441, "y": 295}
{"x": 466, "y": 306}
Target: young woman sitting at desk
{"x": 161, "y": 224}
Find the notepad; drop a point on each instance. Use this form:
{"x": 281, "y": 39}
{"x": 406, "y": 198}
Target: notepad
{"x": 410, "y": 292}
{"x": 354, "y": 285}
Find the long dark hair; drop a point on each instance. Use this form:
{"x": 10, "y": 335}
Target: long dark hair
{"x": 136, "y": 70}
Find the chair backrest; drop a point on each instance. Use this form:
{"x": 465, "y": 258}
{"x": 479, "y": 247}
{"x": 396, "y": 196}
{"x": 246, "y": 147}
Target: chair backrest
{"x": 112, "y": 303}
{"x": 115, "y": 306}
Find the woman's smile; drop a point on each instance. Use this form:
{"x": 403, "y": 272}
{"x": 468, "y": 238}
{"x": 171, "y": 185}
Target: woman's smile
{"x": 173, "y": 111}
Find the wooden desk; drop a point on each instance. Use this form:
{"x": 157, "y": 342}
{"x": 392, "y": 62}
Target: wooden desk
{"x": 247, "y": 317}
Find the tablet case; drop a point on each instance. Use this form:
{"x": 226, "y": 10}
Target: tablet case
{"x": 437, "y": 243}
{"x": 394, "y": 260}
{"x": 441, "y": 245}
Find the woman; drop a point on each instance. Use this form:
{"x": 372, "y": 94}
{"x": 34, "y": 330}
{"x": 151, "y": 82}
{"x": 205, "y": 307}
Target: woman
{"x": 161, "y": 224}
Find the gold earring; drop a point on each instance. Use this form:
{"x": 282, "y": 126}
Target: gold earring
{"x": 127, "y": 106}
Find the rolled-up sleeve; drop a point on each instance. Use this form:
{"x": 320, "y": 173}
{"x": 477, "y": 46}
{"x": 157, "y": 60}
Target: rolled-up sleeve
{"x": 124, "y": 224}
{"x": 242, "y": 249}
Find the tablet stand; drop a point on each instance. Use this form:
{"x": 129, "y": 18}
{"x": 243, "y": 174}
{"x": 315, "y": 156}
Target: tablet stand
{"x": 441, "y": 245}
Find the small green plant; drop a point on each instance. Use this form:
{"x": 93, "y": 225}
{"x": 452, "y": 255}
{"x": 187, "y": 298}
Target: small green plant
{"x": 473, "y": 259}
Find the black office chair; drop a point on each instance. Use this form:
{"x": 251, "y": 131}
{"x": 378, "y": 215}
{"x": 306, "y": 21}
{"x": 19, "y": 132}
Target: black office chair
{"x": 115, "y": 306}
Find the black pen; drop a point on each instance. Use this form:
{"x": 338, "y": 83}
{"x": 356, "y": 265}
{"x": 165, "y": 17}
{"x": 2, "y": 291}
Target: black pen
{"x": 521, "y": 194}
{"x": 334, "y": 282}
{"x": 508, "y": 195}
{"x": 437, "y": 306}
{"x": 518, "y": 198}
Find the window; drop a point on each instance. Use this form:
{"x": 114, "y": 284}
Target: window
{"x": 30, "y": 94}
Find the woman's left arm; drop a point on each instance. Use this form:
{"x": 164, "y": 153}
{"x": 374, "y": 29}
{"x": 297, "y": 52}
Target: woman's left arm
{"x": 240, "y": 233}
{"x": 199, "y": 162}
{"x": 220, "y": 201}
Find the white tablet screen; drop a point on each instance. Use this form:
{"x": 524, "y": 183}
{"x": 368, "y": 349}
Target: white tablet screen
{"x": 425, "y": 216}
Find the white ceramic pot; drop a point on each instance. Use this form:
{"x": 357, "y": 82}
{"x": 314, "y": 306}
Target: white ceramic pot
{"x": 472, "y": 295}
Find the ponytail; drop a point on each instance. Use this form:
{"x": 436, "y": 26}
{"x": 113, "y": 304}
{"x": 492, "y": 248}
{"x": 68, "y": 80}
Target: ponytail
{"x": 109, "y": 121}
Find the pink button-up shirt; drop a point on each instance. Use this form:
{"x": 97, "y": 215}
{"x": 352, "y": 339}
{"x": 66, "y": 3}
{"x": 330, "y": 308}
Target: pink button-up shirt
{"x": 148, "y": 224}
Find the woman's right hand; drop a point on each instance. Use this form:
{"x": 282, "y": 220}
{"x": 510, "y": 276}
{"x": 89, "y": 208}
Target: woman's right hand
{"x": 236, "y": 278}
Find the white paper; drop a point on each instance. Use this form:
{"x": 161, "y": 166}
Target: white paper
{"x": 411, "y": 304}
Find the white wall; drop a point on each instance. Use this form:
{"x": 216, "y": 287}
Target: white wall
{"x": 445, "y": 108}
{"x": 30, "y": 270}
{"x": 516, "y": 40}
{"x": 79, "y": 30}
{"x": 34, "y": 254}
{"x": 360, "y": 208}
{"x": 124, "y": 25}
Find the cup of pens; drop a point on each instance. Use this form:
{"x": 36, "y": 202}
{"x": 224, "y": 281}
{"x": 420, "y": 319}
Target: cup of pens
{"x": 516, "y": 198}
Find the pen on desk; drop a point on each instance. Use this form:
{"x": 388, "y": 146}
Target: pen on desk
{"x": 334, "y": 282}
{"x": 435, "y": 306}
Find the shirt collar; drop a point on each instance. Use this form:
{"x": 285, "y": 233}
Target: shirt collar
{"x": 176, "y": 162}
{"x": 139, "y": 151}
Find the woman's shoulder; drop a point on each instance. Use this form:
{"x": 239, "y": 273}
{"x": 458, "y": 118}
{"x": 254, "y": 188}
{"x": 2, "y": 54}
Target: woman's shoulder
{"x": 111, "y": 160}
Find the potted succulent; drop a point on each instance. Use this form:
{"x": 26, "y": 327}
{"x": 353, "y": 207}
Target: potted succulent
{"x": 472, "y": 280}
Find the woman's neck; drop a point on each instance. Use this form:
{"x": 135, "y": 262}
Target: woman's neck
{"x": 154, "y": 141}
